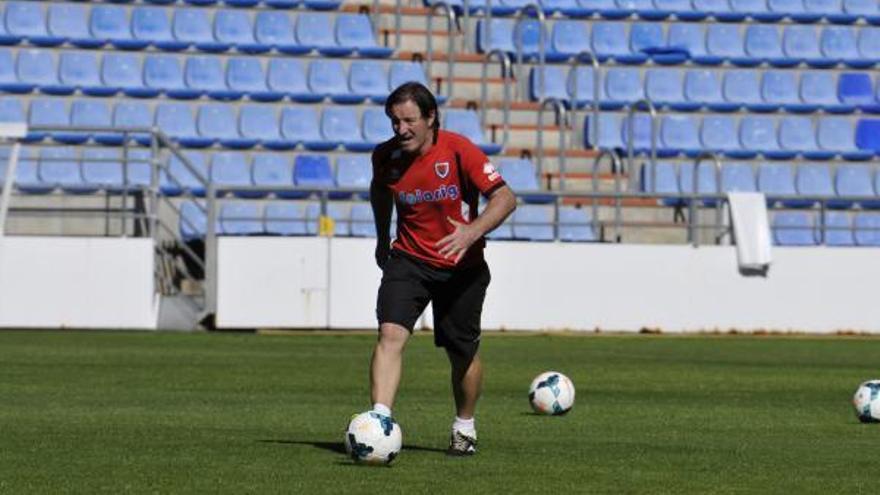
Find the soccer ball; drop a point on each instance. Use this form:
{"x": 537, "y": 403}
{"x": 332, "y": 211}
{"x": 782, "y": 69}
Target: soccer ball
{"x": 551, "y": 393}
{"x": 867, "y": 401}
{"x": 373, "y": 438}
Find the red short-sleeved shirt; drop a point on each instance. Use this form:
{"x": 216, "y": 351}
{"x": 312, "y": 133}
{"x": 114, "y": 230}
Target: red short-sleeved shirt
{"x": 429, "y": 188}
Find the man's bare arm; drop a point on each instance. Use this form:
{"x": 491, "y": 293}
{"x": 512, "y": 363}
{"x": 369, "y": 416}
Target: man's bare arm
{"x": 501, "y": 204}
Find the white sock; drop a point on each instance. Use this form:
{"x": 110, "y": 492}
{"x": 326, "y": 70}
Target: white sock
{"x": 382, "y": 409}
{"x": 466, "y": 426}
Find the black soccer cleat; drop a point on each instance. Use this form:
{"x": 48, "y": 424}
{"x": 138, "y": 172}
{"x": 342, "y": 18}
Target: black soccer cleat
{"x": 461, "y": 444}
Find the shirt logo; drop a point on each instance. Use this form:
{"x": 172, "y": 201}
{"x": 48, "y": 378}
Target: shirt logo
{"x": 489, "y": 170}
{"x": 442, "y": 193}
{"x": 441, "y": 169}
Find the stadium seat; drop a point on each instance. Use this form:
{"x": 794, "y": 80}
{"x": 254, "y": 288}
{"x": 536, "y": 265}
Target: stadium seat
{"x": 703, "y": 88}
{"x": 193, "y": 27}
{"x": 611, "y": 41}
{"x": 757, "y": 134}
{"x": 122, "y": 72}
{"x": 356, "y": 31}
{"x": 801, "y": 44}
{"x": 376, "y": 127}
{"x": 109, "y": 23}
{"x": 102, "y": 169}
{"x": 837, "y": 230}
{"x": 37, "y": 69}
{"x": 718, "y": 9}
{"x": 353, "y": 172}
{"x": 362, "y": 223}
{"x": 780, "y": 89}
{"x": 285, "y": 218}
{"x": 857, "y": 90}
{"x": 300, "y": 124}
{"x": 793, "y": 9}
{"x": 869, "y": 44}
{"x": 328, "y": 79}
{"x": 831, "y": 10}
{"x": 94, "y": 113}
{"x": 11, "y": 110}
{"x": 565, "y": 8}
{"x": 662, "y": 178}
{"x": 60, "y": 168}
{"x": 500, "y": 37}
{"x": 27, "y": 176}
{"x": 522, "y": 177}
{"x": 575, "y": 225}
{"x": 52, "y": 113}
{"x": 820, "y": 88}
{"x": 868, "y": 135}
{"x": 554, "y": 84}
{"x": 716, "y": 135}
{"x": 80, "y": 70}
{"x": 866, "y": 229}
{"x": 133, "y": 114}
{"x": 341, "y": 215}
{"x": 533, "y": 222}
{"x": 164, "y": 73}
{"x": 274, "y": 29}
{"x": 403, "y": 72}
{"x": 231, "y": 169}
{"x": 580, "y": 84}
{"x": 776, "y": 180}
{"x": 570, "y": 37}
{"x": 853, "y": 180}
{"x": 866, "y": 9}
{"x": 180, "y": 177}
{"x": 742, "y": 88}
{"x": 647, "y": 39}
{"x": 796, "y": 134}
{"x": 340, "y": 125}
{"x": 369, "y": 80}
{"x": 467, "y": 123}
{"x": 665, "y": 87}
{"x": 707, "y": 181}
{"x": 312, "y": 171}
{"x": 273, "y": 170}
{"x": 839, "y": 43}
{"x": 322, "y": 4}
{"x": 240, "y": 218}
{"x": 69, "y": 22}
{"x": 623, "y": 86}
{"x": 205, "y": 75}
{"x": 193, "y": 221}
{"x": 737, "y": 177}
{"x": 641, "y": 137}
{"x": 151, "y": 24}
{"x": 679, "y": 135}
{"x": 836, "y": 134}
{"x": 176, "y": 120}
{"x": 245, "y": 75}
{"x": 261, "y": 123}
{"x": 793, "y": 228}
{"x": 814, "y": 180}
{"x": 233, "y": 27}
{"x": 756, "y": 9}
{"x": 25, "y": 21}
{"x": 218, "y": 122}
{"x": 725, "y": 42}
{"x": 609, "y": 132}
{"x": 316, "y": 31}
{"x": 691, "y": 37}
{"x": 288, "y": 76}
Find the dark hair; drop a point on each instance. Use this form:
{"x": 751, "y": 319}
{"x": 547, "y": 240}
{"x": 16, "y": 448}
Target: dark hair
{"x": 418, "y": 94}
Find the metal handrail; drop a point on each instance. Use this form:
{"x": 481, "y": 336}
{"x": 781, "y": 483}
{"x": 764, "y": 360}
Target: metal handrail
{"x": 561, "y": 122}
{"x": 597, "y": 81}
{"x": 630, "y": 139}
{"x": 616, "y": 170}
{"x": 506, "y": 74}
{"x": 451, "y": 25}
{"x": 522, "y": 79}
{"x": 693, "y": 238}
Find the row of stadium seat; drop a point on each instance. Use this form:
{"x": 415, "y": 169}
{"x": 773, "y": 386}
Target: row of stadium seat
{"x": 687, "y": 90}
{"x": 230, "y": 126}
{"x": 528, "y": 222}
{"x": 836, "y": 11}
{"x": 210, "y": 31}
{"x": 833, "y": 228}
{"x": 746, "y": 137}
{"x": 196, "y": 76}
{"x": 709, "y": 44}
{"x": 773, "y": 179}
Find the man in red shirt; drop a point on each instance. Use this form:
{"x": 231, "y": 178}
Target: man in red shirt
{"x": 434, "y": 179}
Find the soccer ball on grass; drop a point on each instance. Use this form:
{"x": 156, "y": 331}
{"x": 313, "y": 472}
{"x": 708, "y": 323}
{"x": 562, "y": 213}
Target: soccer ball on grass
{"x": 551, "y": 393}
{"x": 373, "y": 438}
{"x": 867, "y": 401}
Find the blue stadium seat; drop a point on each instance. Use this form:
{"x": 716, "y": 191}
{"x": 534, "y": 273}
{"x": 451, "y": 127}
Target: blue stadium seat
{"x": 25, "y": 21}
{"x": 288, "y": 76}
{"x": 575, "y": 225}
{"x": 691, "y": 37}
{"x": 641, "y": 139}
{"x": 353, "y": 172}
{"x": 133, "y": 114}
{"x": 718, "y": 9}
{"x": 853, "y": 180}
{"x": 163, "y": 73}
{"x": 580, "y": 84}
{"x": 218, "y": 122}
{"x": 38, "y": 69}
{"x": 837, "y": 230}
{"x": 679, "y": 134}
{"x": 54, "y": 113}
{"x": 796, "y": 134}
{"x": 527, "y": 36}
{"x": 260, "y": 123}
{"x": 716, "y": 135}
{"x": 725, "y": 42}
{"x": 742, "y": 88}
{"x": 11, "y": 110}
{"x": 369, "y": 80}
{"x": 814, "y": 180}
{"x": 622, "y": 86}
{"x": 866, "y": 229}
{"x": 647, "y": 38}
{"x": 756, "y": 9}
{"x": 152, "y": 25}
{"x": 339, "y": 124}
{"x": 533, "y": 222}
{"x": 193, "y": 221}
{"x": 285, "y": 218}
{"x": 609, "y": 133}
{"x": 819, "y": 88}
{"x": 500, "y": 37}
{"x": 80, "y": 70}
{"x": 778, "y": 179}
{"x": 780, "y": 89}
{"x": 233, "y": 27}
{"x": 737, "y": 177}
{"x": 322, "y": 4}
{"x": 245, "y": 75}
{"x": 793, "y": 9}
{"x": 60, "y": 167}
{"x": 362, "y": 223}
{"x": 5, "y": 37}
{"x": 402, "y": 72}
{"x": 123, "y": 72}
{"x": 839, "y": 43}
{"x": 301, "y": 125}
{"x": 467, "y": 123}
{"x": 869, "y": 44}
{"x": 70, "y": 22}
{"x": 866, "y": 9}
{"x": 193, "y": 27}
{"x": 102, "y": 169}
{"x": 376, "y": 126}
{"x": 176, "y": 120}
{"x": 707, "y": 181}
{"x": 341, "y": 215}
{"x": 665, "y": 87}
{"x": 231, "y": 169}
{"x": 611, "y": 41}
{"x": 275, "y": 30}
{"x": 138, "y": 168}
{"x": 608, "y": 9}
{"x": 758, "y": 134}
{"x": 272, "y": 170}
{"x": 836, "y": 134}
{"x": 868, "y": 135}
{"x": 327, "y": 78}
{"x": 703, "y": 88}
{"x": 313, "y": 171}
{"x": 110, "y": 24}
{"x": 522, "y": 177}
{"x": 801, "y": 44}
{"x": 662, "y": 178}
{"x": 570, "y": 37}
{"x": 793, "y": 228}
{"x": 832, "y": 10}
{"x": 181, "y": 178}
{"x": 205, "y": 75}
{"x": 356, "y": 31}
{"x": 554, "y": 84}
{"x": 241, "y": 218}
{"x": 565, "y": 8}
{"x": 856, "y": 89}
{"x": 94, "y": 113}
{"x": 27, "y": 177}
{"x": 316, "y": 30}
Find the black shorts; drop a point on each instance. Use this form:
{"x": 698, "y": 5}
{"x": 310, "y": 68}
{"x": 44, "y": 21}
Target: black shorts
{"x": 457, "y": 296}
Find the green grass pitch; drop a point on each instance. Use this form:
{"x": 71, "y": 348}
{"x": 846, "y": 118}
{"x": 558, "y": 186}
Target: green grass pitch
{"x": 120, "y": 412}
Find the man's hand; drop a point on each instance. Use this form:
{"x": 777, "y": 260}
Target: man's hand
{"x": 459, "y": 241}
{"x": 383, "y": 251}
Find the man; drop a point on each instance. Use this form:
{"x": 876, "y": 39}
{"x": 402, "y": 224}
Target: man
{"x": 429, "y": 175}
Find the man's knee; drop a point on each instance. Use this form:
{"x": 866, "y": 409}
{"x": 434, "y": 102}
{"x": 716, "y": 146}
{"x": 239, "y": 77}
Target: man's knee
{"x": 392, "y": 336}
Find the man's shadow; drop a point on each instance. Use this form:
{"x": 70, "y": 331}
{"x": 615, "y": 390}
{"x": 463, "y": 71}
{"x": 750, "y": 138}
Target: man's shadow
{"x": 339, "y": 447}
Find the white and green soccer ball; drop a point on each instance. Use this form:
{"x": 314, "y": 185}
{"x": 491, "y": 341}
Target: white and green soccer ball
{"x": 867, "y": 401}
{"x": 551, "y": 393}
{"x": 373, "y": 438}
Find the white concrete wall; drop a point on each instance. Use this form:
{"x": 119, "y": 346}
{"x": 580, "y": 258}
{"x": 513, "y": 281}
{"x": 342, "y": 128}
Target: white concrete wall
{"x": 57, "y": 282}
{"x": 309, "y": 283}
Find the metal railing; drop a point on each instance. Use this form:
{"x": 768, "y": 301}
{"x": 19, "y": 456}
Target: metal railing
{"x": 561, "y": 121}
{"x": 631, "y": 138}
{"x": 575, "y": 100}
{"x": 506, "y": 76}
{"x": 522, "y": 78}
{"x": 451, "y": 27}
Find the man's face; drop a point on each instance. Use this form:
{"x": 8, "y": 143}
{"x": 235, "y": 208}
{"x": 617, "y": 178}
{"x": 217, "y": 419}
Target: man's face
{"x": 414, "y": 132}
